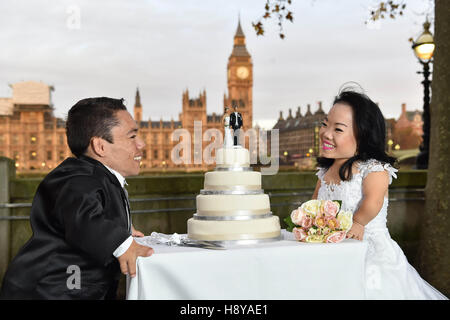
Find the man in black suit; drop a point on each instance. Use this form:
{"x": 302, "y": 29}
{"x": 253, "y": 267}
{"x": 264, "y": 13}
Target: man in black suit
{"x": 236, "y": 124}
{"x": 82, "y": 233}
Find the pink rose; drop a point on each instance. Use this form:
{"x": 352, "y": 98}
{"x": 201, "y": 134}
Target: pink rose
{"x": 307, "y": 222}
{"x": 330, "y": 208}
{"x": 325, "y": 231}
{"x": 335, "y": 237}
{"x": 299, "y": 234}
{"x": 320, "y": 222}
{"x": 332, "y": 223}
{"x": 297, "y": 216}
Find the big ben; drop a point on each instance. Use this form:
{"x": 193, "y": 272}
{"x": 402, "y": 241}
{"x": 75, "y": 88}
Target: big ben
{"x": 32, "y": 136}
{"x": 240, "y": 79}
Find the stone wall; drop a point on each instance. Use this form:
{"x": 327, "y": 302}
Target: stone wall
{"x": 286, "y": 189}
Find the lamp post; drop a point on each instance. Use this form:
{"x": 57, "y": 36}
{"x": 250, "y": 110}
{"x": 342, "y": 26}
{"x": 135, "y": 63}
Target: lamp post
{"x": 390, "y": 143}
{"x": 423, "y": 49}
{"x": 285, "y": 156}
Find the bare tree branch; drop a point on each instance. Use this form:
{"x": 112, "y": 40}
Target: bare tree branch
{"x": 275, "y": 9}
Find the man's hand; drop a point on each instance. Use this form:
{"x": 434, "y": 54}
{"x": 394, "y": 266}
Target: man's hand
{"x": 127, "y": 260}
{"x": 136, "y": 233}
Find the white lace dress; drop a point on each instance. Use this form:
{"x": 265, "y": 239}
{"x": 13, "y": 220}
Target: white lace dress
{"x": 388, "y": 273}
{"x": 228, "y": 139}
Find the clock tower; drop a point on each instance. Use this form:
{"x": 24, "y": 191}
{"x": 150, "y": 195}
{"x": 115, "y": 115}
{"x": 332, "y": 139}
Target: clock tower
{"x": 240, "y": 79}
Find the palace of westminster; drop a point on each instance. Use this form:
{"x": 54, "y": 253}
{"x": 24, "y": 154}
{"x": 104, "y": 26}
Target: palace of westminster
{"x": 36, "y": 140}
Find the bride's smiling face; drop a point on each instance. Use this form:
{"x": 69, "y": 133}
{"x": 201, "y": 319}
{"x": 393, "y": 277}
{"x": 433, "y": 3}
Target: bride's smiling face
{"x": 337, "y": 134}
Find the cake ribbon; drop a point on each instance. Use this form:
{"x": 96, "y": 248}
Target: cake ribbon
{"x": 232, "y": 188}
{"x": 233, "y": 217}
{"x": 263, "y": 236}
{"x": 233, "y": 168}
{"x": 225, "y": 213}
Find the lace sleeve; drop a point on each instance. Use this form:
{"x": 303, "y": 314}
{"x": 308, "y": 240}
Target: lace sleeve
{"x": 373, "y": 165}
{"x": 320, "y": 173}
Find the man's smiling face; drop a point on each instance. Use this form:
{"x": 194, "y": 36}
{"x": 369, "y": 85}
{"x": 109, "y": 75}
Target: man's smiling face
{"x": 125, "y": 153}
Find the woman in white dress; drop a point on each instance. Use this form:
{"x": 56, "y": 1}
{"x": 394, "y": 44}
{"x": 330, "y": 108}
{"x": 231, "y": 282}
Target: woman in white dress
{"x": 354, "y": 168}
{"x": 228, "y": 138}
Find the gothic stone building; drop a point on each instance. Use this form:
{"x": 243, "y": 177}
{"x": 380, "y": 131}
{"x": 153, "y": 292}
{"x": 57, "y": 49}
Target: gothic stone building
{"x": 408, "y": 131}
{"x": 299, "y": 135}
{"x": 29, "y": 133}
{"x": 158, "y": 134}
{"x": 35, "y": 139}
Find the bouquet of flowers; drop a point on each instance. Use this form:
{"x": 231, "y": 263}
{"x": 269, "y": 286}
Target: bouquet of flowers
{"x": 320, "y": 221}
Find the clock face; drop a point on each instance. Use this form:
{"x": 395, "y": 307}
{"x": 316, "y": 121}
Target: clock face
{"x": 242, "y": 72}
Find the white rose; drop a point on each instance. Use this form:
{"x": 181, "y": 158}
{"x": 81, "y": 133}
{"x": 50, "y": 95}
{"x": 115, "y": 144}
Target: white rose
{"x": 311, "y": 207}
{"x": 345, "y": 219}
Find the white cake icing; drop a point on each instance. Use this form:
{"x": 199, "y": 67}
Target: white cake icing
{"x": 228, "y": 179}
{"x": 232, "y": 157}
{"x": 232, "y": 205}
{"x": 234, "y": 230}
{"x": 226, "y": 205}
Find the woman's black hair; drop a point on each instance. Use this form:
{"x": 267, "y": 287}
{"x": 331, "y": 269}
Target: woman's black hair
{"x": 369, "y": 129}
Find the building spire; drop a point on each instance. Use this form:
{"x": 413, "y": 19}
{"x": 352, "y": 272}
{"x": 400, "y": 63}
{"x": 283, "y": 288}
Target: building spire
{"x": 138, "y": 107}
{"x": 308, "y": 112}
{"x": 137, "y": 102}
{"x": 239, "y": 48}
{"x": 290, "y": 114}
{"x": 298, "y": 114}
{"x": 239, "y": 32}
{"x": 320, "y": 110}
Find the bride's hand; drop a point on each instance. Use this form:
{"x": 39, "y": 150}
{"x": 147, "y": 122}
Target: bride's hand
{"x": 356, "y": 232}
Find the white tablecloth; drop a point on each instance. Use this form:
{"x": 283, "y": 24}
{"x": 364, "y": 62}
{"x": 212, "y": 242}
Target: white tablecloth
{"x": 285, "y": 269}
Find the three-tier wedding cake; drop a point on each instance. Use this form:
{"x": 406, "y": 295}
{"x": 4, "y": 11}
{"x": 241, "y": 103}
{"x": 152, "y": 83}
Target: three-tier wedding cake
{"x": 232, "y": 205}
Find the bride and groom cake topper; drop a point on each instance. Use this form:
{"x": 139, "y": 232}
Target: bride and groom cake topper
{"x": 233, "y": 121}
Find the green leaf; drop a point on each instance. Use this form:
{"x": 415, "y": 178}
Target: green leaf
{"x": 290, "y": 224}
{"x": 339, "y": 203}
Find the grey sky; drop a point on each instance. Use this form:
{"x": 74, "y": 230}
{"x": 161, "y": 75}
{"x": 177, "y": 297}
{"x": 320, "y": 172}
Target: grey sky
{"x": 165, "y": 47}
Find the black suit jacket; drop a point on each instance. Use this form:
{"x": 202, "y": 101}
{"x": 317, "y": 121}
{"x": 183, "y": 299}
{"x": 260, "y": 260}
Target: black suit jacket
{"x": 235, "y": 122}
{"x": 78, "y": 218}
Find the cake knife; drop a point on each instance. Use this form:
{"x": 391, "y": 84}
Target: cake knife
{"x": 201, "y": 244}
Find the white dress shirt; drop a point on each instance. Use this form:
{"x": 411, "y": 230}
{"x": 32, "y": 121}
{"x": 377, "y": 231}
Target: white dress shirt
{"x": 127, "y": 243}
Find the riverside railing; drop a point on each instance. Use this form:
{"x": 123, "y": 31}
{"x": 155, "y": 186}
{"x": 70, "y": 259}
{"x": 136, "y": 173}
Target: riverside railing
{"x": 182, "y": 198}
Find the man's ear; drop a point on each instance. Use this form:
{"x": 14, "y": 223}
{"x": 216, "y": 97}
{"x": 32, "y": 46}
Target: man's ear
{"x": 98, "y": 146}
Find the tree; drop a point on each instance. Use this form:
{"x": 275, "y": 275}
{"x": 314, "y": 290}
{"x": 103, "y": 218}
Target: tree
{"x": 275, "y": 9}
{"x": 434, "y": 250}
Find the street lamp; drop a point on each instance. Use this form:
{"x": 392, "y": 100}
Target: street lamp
{"x": 390, "y": 143}
{"x": 423, "y": 49}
